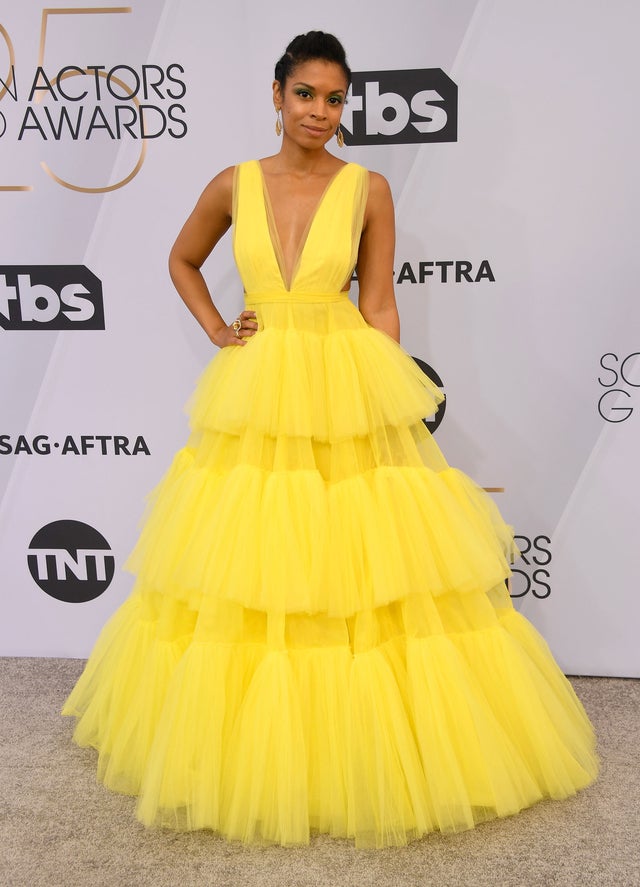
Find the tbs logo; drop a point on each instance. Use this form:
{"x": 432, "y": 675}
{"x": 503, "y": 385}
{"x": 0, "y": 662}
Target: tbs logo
{"x": 50, "y": 297}
{"x": 401, "y": 107}
{"x": 71, "y": 561}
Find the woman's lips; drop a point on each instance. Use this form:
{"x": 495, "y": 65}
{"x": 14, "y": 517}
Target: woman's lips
{"x": 314, "y": 130}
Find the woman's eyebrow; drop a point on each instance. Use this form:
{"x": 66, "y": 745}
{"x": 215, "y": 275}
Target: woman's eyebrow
{"x": 308, "y": 86}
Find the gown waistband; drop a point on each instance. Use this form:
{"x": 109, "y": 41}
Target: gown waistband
{"x": 294, "y": 296}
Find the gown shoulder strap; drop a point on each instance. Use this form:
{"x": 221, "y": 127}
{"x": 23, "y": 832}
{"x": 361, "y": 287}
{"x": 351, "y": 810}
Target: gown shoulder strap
{"x": 246, "y": 185}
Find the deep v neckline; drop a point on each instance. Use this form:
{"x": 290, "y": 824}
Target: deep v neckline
{"x": 274, "y": 236}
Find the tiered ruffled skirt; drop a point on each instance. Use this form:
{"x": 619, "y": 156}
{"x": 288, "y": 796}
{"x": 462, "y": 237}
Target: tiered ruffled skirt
{"x": 320, "y": 637}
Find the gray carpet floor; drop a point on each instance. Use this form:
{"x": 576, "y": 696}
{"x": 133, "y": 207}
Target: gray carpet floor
{"x": 59, "y": 827}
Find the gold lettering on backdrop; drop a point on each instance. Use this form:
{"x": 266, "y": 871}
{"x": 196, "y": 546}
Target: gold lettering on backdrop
{"x": 69, "y": 10}
{"x": 141, "y": 157}
{"x": 5, "y": 89}
{"x": 98, "y": 10}
{"x": 12, "y": 60}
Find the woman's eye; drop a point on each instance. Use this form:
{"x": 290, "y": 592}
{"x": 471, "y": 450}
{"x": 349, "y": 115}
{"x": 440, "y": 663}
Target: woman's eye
{"x": 335, "y": 100}
{"x": 302, "y": 93}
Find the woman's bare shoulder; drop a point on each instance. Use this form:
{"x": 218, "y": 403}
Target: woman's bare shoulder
{"x": 379, "y": 199}
{"x": 218, "y": 193}
{"x": 222, "y": 181}
{"x": 378, "y": 185}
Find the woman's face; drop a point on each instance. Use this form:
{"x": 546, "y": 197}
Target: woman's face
{"x": 311, "y": 102}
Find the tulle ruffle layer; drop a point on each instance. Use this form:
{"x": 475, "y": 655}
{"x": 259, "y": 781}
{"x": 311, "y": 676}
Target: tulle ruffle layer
{"x": 381, "y": 735}
{"x": 313, "y": 370}
{"x": 310, "y": 483}
{"x": 288, "y": 541}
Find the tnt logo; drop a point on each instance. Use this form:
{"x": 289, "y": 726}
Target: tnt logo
{"x": 50, "y": 297}
{"x": 71, "y": 561}
{"x": 401, "y": 107}
{"x": 432, "y": 422}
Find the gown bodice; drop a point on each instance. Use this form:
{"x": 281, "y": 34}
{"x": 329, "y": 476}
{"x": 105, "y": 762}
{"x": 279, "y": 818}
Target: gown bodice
{"x": 329, "y": 247}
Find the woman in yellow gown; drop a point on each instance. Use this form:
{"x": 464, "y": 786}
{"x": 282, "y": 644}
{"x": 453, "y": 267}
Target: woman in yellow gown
{"x": 320, "y": 637}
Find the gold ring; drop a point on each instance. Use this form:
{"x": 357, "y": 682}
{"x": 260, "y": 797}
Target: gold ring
{"x": 237, "y": 325}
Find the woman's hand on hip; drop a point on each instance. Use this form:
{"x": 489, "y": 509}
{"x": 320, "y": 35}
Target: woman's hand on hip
{"x": 236, "y": 333}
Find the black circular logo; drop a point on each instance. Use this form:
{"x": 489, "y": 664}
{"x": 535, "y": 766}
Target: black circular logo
{"x": 71, "y": 561}
{"x": 433, "y": 422}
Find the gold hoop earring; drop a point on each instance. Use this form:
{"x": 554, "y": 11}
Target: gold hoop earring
{"x": 278, "y": 123}
{"x": 339, "y": 136}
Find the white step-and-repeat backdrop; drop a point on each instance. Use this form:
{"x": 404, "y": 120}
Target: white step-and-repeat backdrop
{"x": 508, "y": 132}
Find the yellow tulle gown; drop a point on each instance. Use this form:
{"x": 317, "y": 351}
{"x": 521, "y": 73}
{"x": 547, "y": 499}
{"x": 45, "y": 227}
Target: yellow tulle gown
{"x": 320, "y": 638}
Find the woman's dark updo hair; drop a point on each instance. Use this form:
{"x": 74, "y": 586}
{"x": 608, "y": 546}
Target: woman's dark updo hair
{"x": 309, "y": 47}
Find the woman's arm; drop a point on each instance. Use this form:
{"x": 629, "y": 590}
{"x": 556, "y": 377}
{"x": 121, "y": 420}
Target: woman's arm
{"x": 377, "y": 301}
{"x": 200, "y": 233}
